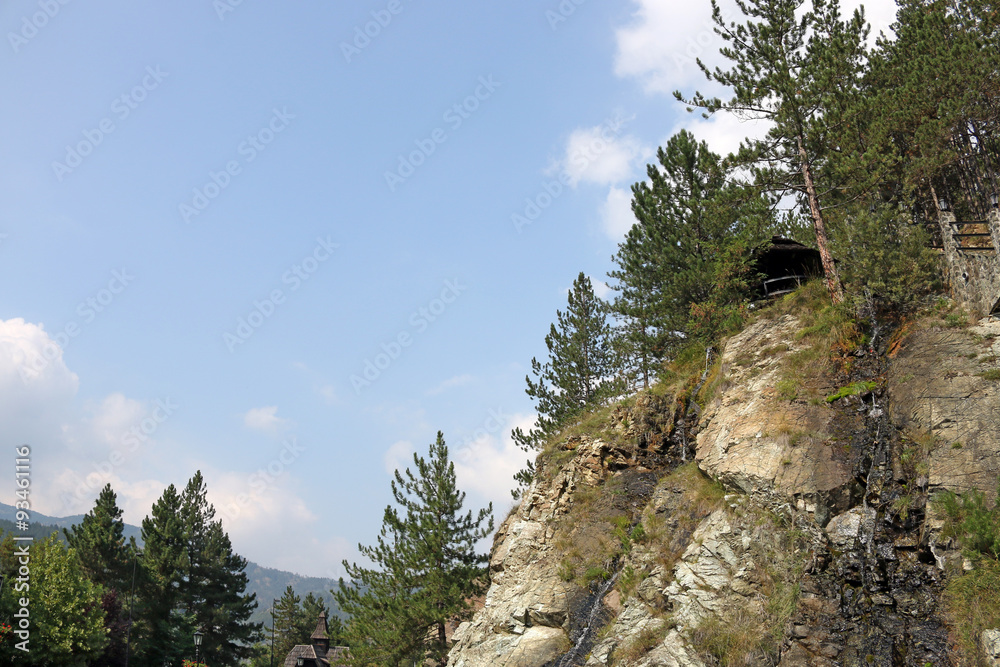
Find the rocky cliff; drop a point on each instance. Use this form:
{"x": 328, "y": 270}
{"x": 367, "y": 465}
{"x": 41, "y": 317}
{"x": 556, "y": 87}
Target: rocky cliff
{"x": 773, "y": 511}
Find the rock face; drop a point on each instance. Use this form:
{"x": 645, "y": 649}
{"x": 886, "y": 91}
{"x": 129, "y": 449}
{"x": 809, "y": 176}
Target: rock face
{"x": 753, "y": 441}
{"x": 525, "y": 621}
{"x": 798, "y": 536}
{"x": 937, "y": 388}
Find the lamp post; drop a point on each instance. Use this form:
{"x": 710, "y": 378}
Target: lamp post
{"x": 131, "y": 603}
{"x": 197, "y": 646}
{"x": 274, "y": 603}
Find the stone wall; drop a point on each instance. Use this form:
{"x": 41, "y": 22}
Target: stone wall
{"x": 973, "y": 275}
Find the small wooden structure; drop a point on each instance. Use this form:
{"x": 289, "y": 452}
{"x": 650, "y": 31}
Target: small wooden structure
{"x": 318, "y": 652}
{"x": 786, "y": 264}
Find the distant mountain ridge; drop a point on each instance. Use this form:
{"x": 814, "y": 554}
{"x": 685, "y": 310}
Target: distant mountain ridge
{"x": 268, "y": 583}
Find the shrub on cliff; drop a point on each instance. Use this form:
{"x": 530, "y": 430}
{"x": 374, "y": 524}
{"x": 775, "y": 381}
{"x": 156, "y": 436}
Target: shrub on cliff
{"x": 887, "y": 264}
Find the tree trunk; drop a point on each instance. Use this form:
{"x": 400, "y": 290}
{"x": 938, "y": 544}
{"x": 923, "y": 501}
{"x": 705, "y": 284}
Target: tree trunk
{"x": 443, "y": 639}
{"x": 829, "y": 268}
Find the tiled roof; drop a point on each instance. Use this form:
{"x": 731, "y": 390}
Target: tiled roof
{"x": 321, "y": 627}
{"x": 338, "y": 655}
{"x": 306, "y": 652}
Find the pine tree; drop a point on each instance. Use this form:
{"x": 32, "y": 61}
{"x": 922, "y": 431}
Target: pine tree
{"x": 664, "y": 261}
{"x": 308, "y": 615}
{"x": 582, "y": 367}
{"x": 286, "y": 622}
{"x": 933, "y": 93}
{"x": 799, "y": 74}
{"x": 162, "y": 631}
{"x": 428, "y": 568}
{"x": 192, "y": 580}
{"x": 100, "y": 543}
{"x": 213, "y": 589}
{"x": 99, "y": 540}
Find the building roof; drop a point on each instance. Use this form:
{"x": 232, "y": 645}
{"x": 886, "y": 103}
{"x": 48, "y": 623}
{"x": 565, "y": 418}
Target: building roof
{"x": 338, "y": 655}
{"x": 318, "y": 653}
{"x": 321, "y": 627}
{"x": 307, "y": 652}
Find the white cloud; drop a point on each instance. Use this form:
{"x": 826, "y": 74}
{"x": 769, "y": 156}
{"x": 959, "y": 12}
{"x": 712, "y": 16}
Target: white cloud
{"x": 114, "y": 416}
{"x": 264, "y": 419}
{"x": 76, "y": 449}
{"x": 598, "y": 155}
{"x": 722, "y": 131}
{"x": 398, "y": 456}
{"x": 616, "y": 213}
{"x": 329, "y": 394}
{"x": 253, "y": 505}
{"x": 486, "y": 462}
{"x": 33, "y": 375}
{"x": 450, "y": 383}
{"x": 660, "y": 45}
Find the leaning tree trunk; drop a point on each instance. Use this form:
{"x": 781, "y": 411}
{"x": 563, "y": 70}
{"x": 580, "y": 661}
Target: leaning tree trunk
{"x": 829, "y": 268}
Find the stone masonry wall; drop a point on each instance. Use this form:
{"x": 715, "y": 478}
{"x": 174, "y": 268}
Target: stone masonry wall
{"x": 974, "y": 276}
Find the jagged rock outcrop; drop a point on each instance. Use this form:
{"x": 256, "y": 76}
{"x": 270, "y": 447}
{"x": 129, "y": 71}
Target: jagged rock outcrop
{"x": 754, "y": 440}
{"x": 525, "y": 619}
{"x": 822, "y": 551}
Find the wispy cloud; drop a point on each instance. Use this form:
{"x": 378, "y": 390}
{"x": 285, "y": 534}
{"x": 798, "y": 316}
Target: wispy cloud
{"x": 264, "y": 419}
{"x": 450, "y": 383}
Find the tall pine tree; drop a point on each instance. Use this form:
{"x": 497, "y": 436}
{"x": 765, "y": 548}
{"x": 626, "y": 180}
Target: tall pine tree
{"x": 664, "y": 261}
{"x": 193, "y": 580}
{"x": 428, "y": 568}
{"x": 582, "y": 368}
{"x": 100, "y": 544}
{"x": 162, "y": 632}
{"x": 799, "y": 71}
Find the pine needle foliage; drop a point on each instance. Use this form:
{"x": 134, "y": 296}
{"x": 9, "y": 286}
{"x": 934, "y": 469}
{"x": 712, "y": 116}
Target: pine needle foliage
{"x": 427, "y": 568}
{"x": 582, "y": 371}
{"x": 799, "y": 71}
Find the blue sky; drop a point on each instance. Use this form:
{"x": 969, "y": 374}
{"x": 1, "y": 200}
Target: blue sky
{"x": 215, "y": 218}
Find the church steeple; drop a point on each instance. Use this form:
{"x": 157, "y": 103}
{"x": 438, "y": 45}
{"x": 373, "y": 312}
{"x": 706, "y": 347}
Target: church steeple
{"x": 320, "y": 639}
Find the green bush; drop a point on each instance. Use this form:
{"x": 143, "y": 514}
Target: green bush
{"x": 852, "y": 389}
{"x": 885, "y": 261}
{"x": 973, "y": 521}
